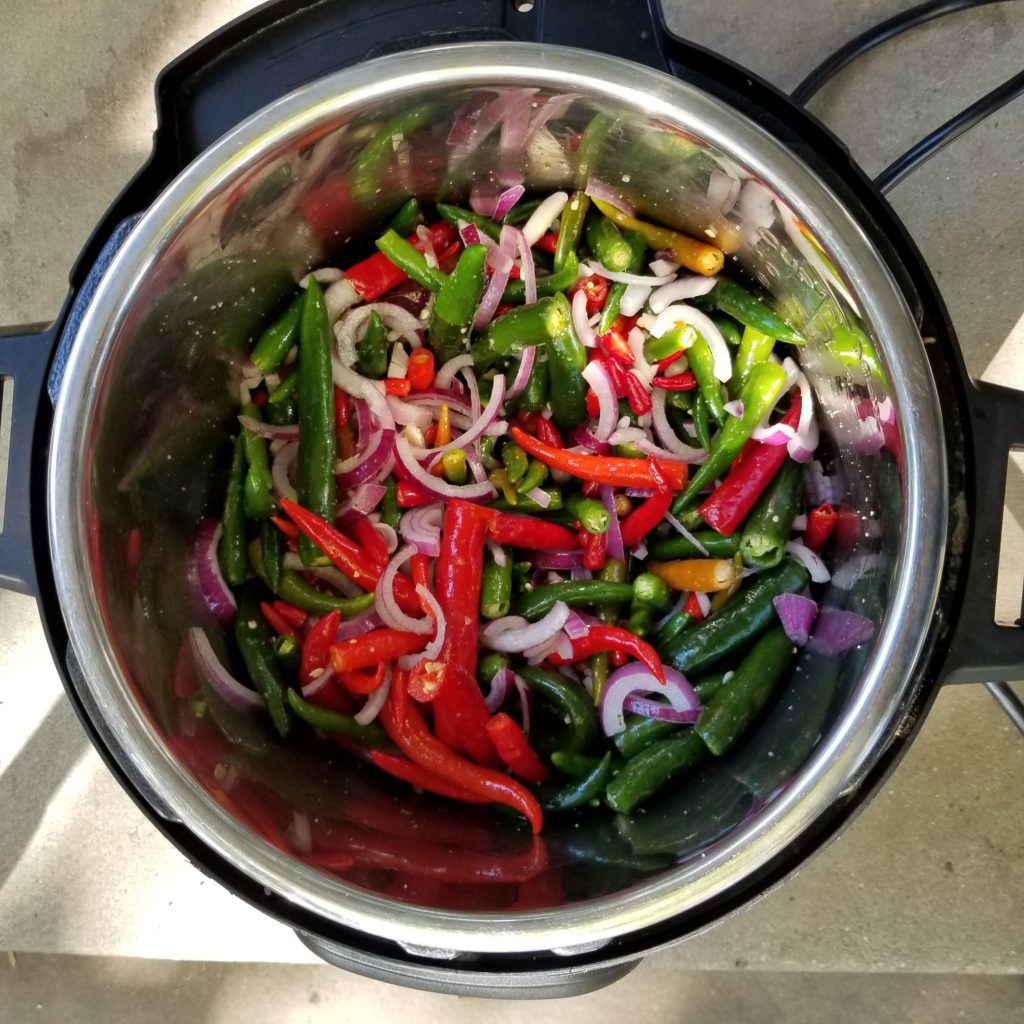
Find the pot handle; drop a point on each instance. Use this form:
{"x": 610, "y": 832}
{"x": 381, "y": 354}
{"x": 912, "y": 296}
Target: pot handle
{"x": 980, "y": 649}
{"x": 457, "y": 974}
{"x": 25, "y": 354}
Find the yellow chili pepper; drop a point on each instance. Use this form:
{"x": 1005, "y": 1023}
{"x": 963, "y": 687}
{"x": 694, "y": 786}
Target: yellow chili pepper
{"x": 699, "y": 257}
{"x": 444, "y": 435}
{"x": 705, "y": 574}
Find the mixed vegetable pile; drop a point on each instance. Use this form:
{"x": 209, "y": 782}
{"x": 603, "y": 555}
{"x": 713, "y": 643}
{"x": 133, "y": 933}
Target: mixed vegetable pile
{"x": 527, "y": 525}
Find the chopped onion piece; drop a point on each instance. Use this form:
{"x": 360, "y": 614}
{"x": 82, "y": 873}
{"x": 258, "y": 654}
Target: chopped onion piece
{"x": 486, "y": 418}
{"x": 499, "y": 637}
{"x": 526, "y": 364}
{"x": 285, "y": 432}
{"x": 685, "y": 288}
{"x": 838, "y": 630}
{"x": 616, "y": 548}
{"x": 438, "y": 487}
{"x": 539, "y": 496}
{"x": 809, "y": 560}
{"x": 500, "y": 686}
{"x": 595, "y": 373}
{"x": 598, "y": 189}
{"x": 580, "y": 321}
{"x": 797, "y": 614}
{"x": 678, "y": 526}
{"x": 734, "y": 408}
{"x": 675, "y": 316}
{"x": 446, "y": 374}
{"x": 666, "y": 434}
{"x": 421, "y": 527}
{"x": 804, "y": 443}
{"x": 544, "y": 216}
{"x": 280, "y": 471}
{"x": 633, "y": 299}
{"x": 623, "y": 278}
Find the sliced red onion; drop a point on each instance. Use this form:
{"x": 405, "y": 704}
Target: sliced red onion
{"x": 371, "y": 709}
{"x": 437, "y": 486}
{"x": 365, "y": 498}
{"x": 636, "y": 679}
{"x": 526, "y": 363}
{"x": 446, "y": 373}
{"x": 215, "y": 591}
{"x": 818, "y": 487}
{"x": 581, "y": 437}
{"x": 364, "y": 622}
{"x": 800, "y": 523}
{"x": 809, "y": 560}
{"x": 723, "y": 191}
{"x": 421, "y": 527}
{"x": 633, "y": 298}
{"x": 676, "y": 315}
{"x": 338, "y": 297}
{"x": 616, "y": 548}
{"x": 439, "y": 624}
{"x": 500, "y": 686}
{"x": 389, "y": 535}
{"x": 623, "y": 278}
{"x": 357, "y": 386}
{"x": 627, "y": 435}
{"x": 427, "y": 244}
{"x": 486, "y": 418}
{"x": 539, "y": 496}
{"x": 222, "y": 681}
{"x": 581, "y": 322}
{"x": 555, "y": 106}
{"x": 320, "y": 678}
{"x": 577, "y": 625}
{"x": 493, "y": 201}
{"x": 595, "y": 373}
{"x": 405, "y": 413}
{"x": 776, "y": 435}
{"x": 285, "y": 432}
{"x": 639, "y": 551}
{"x": 384, "y": 597}
{"x": 838, "y": 631}
{"x": 470, "y": 234}
{"x": 797, "y": 614}
{"x": 694, "y": 457}
{"x": 352, "y": 327}
{"x": 683, "y": 531}
{"x": 476, "y": 467}
{"x": 802, "y": 446}
{"x": 365, "y": 465}
{"x": 280, "y": 471}
{"x": 544, "y": 216}
{"x": 664, "y": 430}
{"x": 579, "y": 573}
{"x": 515, "y": 125}
{"x": 436, "y": 397}
{"x": 556, "y": 559}
{"x": 499, "y": 637}
{"x": 527, "y": 268}
{"x": 685, "y": 288}
{"x": 470, "y": 127}
{"x": 501, "y": 267}
{"x": 598, "y": 189}
{"x": 734, "y": 408}
{"x": 323, "y": 275}
{"x": 659, "y": 709}
{"x": 327, "y": 573}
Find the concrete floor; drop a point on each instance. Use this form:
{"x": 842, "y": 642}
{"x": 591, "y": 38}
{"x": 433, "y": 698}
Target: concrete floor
{"x": 928, "y": 881}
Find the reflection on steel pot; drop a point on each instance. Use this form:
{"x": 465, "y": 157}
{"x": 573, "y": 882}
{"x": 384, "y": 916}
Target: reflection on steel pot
{"x": 374, "y": 877}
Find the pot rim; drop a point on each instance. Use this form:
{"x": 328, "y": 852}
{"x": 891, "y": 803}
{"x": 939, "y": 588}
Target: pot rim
{"x": 870, "y": 719}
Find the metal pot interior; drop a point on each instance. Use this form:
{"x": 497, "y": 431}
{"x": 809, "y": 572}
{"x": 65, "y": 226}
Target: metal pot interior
{"x": 140, "y": 456}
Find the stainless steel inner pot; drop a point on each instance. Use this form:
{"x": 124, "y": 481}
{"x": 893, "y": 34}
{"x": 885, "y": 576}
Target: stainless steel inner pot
{"x": 138, "y": 458}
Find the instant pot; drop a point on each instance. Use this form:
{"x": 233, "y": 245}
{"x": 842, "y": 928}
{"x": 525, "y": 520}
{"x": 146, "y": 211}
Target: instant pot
{"x": 121, "y": 409}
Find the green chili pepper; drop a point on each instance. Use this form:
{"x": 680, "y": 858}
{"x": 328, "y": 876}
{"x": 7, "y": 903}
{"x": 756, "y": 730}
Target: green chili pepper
{"x": 552, "y": 511}
{"x": 295, "y": 590}
{"x": 762, "y": 388}
{"x": 733, "y": 299}
{"x": 390, "y": 513}
{"x": 490, "y": 665}
{"x": 336, "y": 723}
{"x": 536, "y": 473}
{"x": 452, "y": 316}
{"x": 453, "y": 214}
{"x": 593, "y": 516}
{"x": 231, "y": 550}
{"x": 568, "y": 762}
{"x": 270, "y": 545}
{"x": 606, "y": 242}
{"x": 738, "y": 623}
{"x": 279, "y": 338}
{"x": 671, "y": 628}
{"x": 729, "y": 713}
{"x": 495, "y": 588}
{"x": 651, "y": 769}
{"x": 572, "y": 706}
{"x": 638, "y": 249}
{"x": 410, "y": 260}
{"x": 548, "y": 284}
{"x": 515, "y": 461}
{"x": 288, "y": 652}
{"x": 729, "y": 328}
{"x": 372, "y": 350}
{"x": 404, "y": 221}
{"x": 707, "y": 686}
{"x": 771, "y": 522}
{"x": 522, "y": 211}
{"x": 700, "y": 424}
{"x": 575, "y": 593}
{"x": 677, "y": 340}
{"x": 567, "y": 358}
{"x": 650, "y": 595}
{"x": 675, "y": 545}
{"x": 285, "y": 391}
{"x": 641, "y": 732}
{"x": 578, "y": 792}
{"x": 755, "y": 348}
{"x": 614, "y": 571}
{"x": 259, "y": 484}
{"x": 453, "y": 466}
{"x": 256, "y": 645}
{"x": 702, "y": 363}
{"x": 368, "y": 171}
{"x": 535, "y": 394}
{"x": 282, "y": 413}
{"x": 316, "y": 417}
{"x": 571, "y": 227}
{"x": 595, "y": 137}
{"x": 500, "y": 479}
{"x": 519, "y": 328}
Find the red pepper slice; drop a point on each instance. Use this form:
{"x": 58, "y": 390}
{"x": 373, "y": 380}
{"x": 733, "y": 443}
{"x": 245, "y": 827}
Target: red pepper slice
{"x": 645, "y": 517}
{"x": 595, "y": 550}
{"x": 316, "y": 649}
{"x": 691, "y": 607}
{"x": 420, "y": 371}
{"x": 685, "y": 381}
{"x": 602, "y": 468}
{"x": 528, "y": 532}
{"x": 278, "y": 624}
{"x": 614, "y": 639}
{"x": 617, "y": 372}
{"x": 514, "y": 749}
{"x": 290, "y": 530}
{"x": 728, "y": 505}
{"x": 369, "y": 537}
{"x": 547, "y": 433}
{"x": 412, "y": 495}
{"x": 637, "y": 395}
{"x": 398, "y": 386}
{"x": 426, "y": 680}
{"x": 821, "y": 521}
{"x": 547, "y": 242}
{"x": 664, "y": 364}
{"x": 593, "y": 404}
{"x": 421, "y": 570}
{"x": 595, "y": 288}
{"x": 341, "y": 411}
{"x": 379, "y": 645}
{"x": 615, "y": 346}
{"x": 295, "y": 617}
{"x": 376, "y": 274}
{"x": 363, "y": 683}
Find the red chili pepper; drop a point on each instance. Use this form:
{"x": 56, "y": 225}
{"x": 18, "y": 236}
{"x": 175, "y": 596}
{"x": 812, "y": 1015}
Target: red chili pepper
{"x": 685, "y": 381}
{"x": 502, "y": 309}
{"x": 614, "y": 638}
{"x": 615, "y": 346}
{"x": 412, "y": 495}
{"x": 349, "y": 557}
{"x": 547, "y": 433}
{"x": 637, "y": 395}
{"x": 369, "y": 537}
{"x": 426, "y": 680}
{"x": 317, "y": 646}
{"x": 728, "y": 505}
{"x": 288, "y": 529}
{"x": 447, "y": 258}
{"x": 691, "y": 607}
{"x": 548, "y": 242}
{"x": 415, "y": 775}
{"x": 362, "y": 683}
{"x": 848, "y": 526}
{"x": 618, "y": 659}
{"x": 340, "y": 408}
{"x": 590, "y": 489}
{"x": 460, "y": 713}
{"x": 617, "y": 372}
{"x": 602, "y": 468}
{"x": 664, "y": 364}
{"x": 398, "y": 386}
{"x": 821, "y": 521}
{"x": 514, "y": 749}
{"x": 421, "y": 570}
{"x": 645, "y": 517}
{"x": 595, "y": 288}
{"x": 376, "y": 274}
{"x": 404, "y": 724}
{"x": 379, "y": 645}
{"x": 295, "y": 617}
{"x": 420, "y": 371}
{"x": 278, "y": 624}
{"x": 595, "y": 551}
{"x": 528, "y": 532}
{"x": 593, "y": 403}
{"x": 259, "y": 399}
